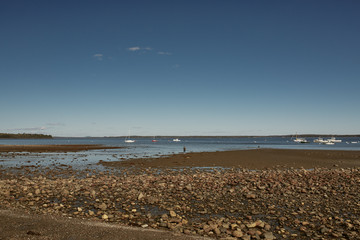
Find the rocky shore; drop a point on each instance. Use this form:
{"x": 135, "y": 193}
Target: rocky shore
{"x": 221, "y": 203}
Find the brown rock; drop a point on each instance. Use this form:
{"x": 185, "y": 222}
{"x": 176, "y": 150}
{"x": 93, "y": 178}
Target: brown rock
{"x": 251, "y": 225}
{"x": 237, "y": 233}
{"x": 269, "y": 236}
{"x": 172, "y": 214}
{"x": 206, "y": 228}
{"x": 267, "y": 227}
{"x": 103, "y": 206}
{"x": 141, "y": 196}
{"x": 250, "y": 196}
{"x": 217, "y": 231}
{"x": 65, "y": 192}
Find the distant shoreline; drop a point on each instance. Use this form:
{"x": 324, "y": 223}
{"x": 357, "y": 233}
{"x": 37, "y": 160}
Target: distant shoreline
{"x": 24, "y": 136}
{"x": 53, "y": 148}
{"x": 201, "y": 136}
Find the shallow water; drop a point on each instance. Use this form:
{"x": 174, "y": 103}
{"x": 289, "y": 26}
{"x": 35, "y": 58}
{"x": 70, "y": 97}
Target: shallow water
{"x": 144, "y": 147}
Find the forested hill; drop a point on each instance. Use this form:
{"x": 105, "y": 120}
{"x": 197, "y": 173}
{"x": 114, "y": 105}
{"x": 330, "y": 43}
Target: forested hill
{"x": 23, "y": 135}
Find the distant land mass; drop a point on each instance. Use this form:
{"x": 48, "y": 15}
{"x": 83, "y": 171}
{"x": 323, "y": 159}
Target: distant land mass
{"x": 23, "y": 135}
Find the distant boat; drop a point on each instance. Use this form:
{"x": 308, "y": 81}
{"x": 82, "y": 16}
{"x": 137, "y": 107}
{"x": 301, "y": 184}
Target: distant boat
{"x": 176, "y": 140}
{"x": 300, "y": 140}
{"x": 334, "y": 140}
{"x": 128, "y": 140}
{"x": 330, "y": 141}
{"x": 154, "y": 140}
{"x": 319, "y": 140}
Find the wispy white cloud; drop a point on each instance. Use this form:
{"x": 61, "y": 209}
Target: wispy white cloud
{"x": 144, "y": 50}
{"x": 140, "y": 49}
{"x": 98, "y": 56}
{"x": 133, "y": 49}
{"x": 164, "y": 53}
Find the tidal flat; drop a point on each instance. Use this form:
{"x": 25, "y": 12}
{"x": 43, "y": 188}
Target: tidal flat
{"x": 304, "y": 197}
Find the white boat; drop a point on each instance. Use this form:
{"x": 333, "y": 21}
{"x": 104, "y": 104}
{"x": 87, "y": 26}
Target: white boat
{"x": 329, "y": 143}
{"x": 176, "y": 140}
{"x": 334, "y": 140}
{"x": 319, "y": 140}
{"x": 300, "y": 140}
{"x": 128, "y": 140}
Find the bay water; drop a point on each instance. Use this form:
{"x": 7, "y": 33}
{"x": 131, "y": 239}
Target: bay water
{"x": 145, "y": 147}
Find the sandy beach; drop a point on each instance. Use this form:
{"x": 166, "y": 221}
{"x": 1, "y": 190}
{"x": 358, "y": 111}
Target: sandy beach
{"x": 248, "y": 194}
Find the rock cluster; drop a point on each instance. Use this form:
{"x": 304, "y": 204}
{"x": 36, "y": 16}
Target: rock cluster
{"x": 220, "y": 203}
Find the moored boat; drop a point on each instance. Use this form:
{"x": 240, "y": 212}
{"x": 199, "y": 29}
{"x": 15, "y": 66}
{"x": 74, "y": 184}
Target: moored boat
{"x": 128, "y": 140}
{"x": 319, "y": 140}
{"x": 334, "y": 140}
{"x": 300, "y": 140}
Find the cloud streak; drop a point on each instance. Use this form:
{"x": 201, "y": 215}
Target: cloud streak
{"x": 164, "y": 53}
{"x": 134, "y": 49}
{"x": 98, "y": 56}
{"x": 146, "y": 50}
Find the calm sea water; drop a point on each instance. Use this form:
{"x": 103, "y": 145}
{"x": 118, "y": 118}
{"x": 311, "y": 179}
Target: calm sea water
{"x": 144, "y": 147}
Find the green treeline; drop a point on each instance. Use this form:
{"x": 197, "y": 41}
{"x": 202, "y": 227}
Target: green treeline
{"x": 23, "y": 135}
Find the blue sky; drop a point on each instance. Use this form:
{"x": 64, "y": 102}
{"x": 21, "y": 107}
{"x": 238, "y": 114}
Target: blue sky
{"x": 100, "y": 68}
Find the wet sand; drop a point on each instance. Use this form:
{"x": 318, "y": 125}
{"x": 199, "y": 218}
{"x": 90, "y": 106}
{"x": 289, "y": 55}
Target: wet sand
{"x": 250, "y": 159}
{"x": 52, "y": 148}
{"x": 19, "y": 225}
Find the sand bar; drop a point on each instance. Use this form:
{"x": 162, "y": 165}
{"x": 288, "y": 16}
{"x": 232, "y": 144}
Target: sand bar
{"x": 251, "y": 159}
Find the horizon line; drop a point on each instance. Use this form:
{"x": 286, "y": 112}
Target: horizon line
{"x": 217, "y": 136}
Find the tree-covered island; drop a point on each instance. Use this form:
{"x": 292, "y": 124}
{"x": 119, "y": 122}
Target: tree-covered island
{"x": 23, "y": 135}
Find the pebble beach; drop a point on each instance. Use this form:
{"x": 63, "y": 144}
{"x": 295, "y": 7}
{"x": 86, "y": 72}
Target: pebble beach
{"x": 287, "y": 194}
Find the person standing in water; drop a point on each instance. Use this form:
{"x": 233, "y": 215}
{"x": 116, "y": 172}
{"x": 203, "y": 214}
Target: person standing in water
{"x": 184, "y": 149}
